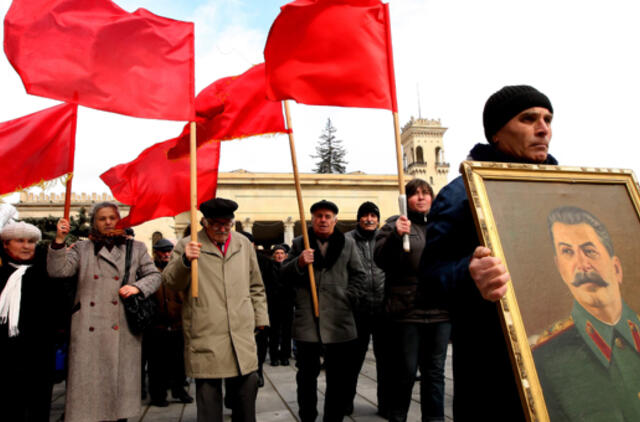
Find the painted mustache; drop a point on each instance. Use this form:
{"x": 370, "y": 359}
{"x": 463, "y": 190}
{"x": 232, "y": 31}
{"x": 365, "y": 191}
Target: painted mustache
{"x": 590, "y": 277}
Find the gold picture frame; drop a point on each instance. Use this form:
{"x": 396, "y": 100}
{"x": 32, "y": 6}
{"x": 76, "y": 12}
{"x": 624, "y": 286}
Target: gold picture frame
{"x": 510, "y": 204}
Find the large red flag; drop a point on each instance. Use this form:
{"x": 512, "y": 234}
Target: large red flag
{"x": 332, "y": 52}
{"x": 156, "y": 187}
{"x": 93, "y": 53}
{"x": 233, "y": 107}
{"x": 37, "y": 147}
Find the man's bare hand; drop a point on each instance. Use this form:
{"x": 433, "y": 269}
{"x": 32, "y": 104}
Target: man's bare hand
{"x": 305, "y": 258}
{"x": 403, "y": 225}
{"x": 490, "y": 276}
{"x": 192, "y": 250}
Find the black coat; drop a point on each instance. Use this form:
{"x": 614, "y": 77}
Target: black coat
{"x": 484, "y": 382}
{"x": 27, "y": 361}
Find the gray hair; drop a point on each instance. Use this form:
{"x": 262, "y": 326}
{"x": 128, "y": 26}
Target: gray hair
{"x": 575, "y": 215}
{"x": 97, "y": 207}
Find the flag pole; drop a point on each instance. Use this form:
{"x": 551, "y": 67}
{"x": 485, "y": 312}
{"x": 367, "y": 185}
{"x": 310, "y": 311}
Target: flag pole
{"x": 194, "y": 205}
{"x": 72, "y": 155}
{"x": 402, "y": 197}
{"x": 305, "y": 235}
{"x": 67, "y": 198}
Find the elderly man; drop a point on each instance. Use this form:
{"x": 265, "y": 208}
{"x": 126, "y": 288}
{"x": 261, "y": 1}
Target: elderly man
{"x": 340, "y": 279}
{"x": 598, "y": 348}
{"x": 219, "y": 325}
{"x": 517, "y": 125}
{"x": 369, "y": 315}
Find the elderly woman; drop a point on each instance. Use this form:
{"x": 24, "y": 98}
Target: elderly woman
{"x": 27, "y": 318}
{"x": 104, "y": 356}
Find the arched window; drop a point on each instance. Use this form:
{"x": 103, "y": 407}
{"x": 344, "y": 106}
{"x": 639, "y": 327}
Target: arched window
{"x": 439, "y": 155}
{"x": 419, "y": 155}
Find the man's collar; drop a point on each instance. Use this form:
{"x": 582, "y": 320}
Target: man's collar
{"x": 487, "y": 152}
{"x": 601, "y": 337}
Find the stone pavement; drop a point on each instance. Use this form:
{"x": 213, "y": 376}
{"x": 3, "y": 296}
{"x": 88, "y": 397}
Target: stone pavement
{"x": 277, "y": 399}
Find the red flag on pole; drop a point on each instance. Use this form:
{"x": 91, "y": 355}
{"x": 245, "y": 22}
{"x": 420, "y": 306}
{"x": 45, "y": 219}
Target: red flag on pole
{"x": 332, "y": 52}
{"x": 233, "y": 107}
{"x": 95, "y": 54}
{"x": 37, "y": 147}
{"x": 156, "y": 187}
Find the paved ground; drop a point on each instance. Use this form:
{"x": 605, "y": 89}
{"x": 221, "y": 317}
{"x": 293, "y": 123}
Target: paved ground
{"x": 277, "y": 399}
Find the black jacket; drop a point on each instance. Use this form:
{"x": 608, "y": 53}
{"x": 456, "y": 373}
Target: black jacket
{"x": 484, "y": 382}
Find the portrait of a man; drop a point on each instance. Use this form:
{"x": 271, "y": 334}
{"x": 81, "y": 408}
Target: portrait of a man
{"x": 589, "y": 363}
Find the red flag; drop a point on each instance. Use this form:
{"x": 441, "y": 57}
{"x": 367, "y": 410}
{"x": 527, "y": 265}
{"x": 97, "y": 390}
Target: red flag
{"x": 233, "y": 107}
{"x": 332, "y": 52}
{"x": 156, "y": 187}
{"x": 37, "y": 147}
{"x": 93, "y": 53}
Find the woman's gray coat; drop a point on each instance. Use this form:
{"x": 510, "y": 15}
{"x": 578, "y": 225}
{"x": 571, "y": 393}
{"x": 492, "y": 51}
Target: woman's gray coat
{"x": 104, "y": 357}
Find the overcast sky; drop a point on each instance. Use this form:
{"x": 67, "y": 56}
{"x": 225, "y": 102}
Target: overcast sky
{"x": 582, "y": 54}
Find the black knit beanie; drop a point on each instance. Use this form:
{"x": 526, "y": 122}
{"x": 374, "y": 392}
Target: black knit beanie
{"x": 506, "y": 103}
{"x": 368, "y": 207}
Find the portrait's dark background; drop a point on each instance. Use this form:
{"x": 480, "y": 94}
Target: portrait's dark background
{"x": 520, "y": 210}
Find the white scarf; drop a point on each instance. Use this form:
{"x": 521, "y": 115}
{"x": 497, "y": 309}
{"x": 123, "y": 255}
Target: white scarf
{"x": 10, "y": 299}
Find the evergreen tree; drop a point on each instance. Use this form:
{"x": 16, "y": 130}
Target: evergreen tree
{"x": 79, "y": 226}
{"x": 330, "y": 152}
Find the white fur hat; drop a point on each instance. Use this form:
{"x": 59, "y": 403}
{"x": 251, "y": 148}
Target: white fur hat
{"x": 20, "y": 230}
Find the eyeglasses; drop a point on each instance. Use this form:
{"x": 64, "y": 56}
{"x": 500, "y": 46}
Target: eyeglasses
{"x": 220, "y": 224}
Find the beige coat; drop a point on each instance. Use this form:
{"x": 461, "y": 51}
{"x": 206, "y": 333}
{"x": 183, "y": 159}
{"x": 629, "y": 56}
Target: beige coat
{"x": 104, "y": 357}
{"x": 219, "y": 326}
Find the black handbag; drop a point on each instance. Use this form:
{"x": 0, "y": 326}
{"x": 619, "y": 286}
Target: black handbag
{"x": 140, "y": 311}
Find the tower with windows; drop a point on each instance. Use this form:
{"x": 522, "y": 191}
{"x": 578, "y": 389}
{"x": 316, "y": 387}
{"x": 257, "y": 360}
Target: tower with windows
{"x": 423, "y": 151}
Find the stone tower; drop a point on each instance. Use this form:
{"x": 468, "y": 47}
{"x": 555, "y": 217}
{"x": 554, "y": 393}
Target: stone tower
{"x": 423, "y": 151}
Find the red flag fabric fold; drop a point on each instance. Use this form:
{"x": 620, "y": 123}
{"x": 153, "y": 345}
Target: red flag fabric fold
{"x": 233, "y": 107}
{"x": 331, "y": 52}
{"x": 155, "y": 186}
{"x": 37, "y": 147}
{"x": 93, "y": 53}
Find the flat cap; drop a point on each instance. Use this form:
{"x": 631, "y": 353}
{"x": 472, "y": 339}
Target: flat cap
{"x": 163, "y": 245}
{"x": 324, "y": 205}
{"x": 218, "y": 208}
{"x": 20, "y": 230}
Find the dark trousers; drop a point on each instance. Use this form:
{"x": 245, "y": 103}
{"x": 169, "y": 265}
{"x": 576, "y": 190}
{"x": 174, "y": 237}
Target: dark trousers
{"x": 280, "y": 319}
{"x": 262, "y": 342}
{"x": 337, "y": 362}
{"x": 372, "y": 327}
{"x": 416, "y": 345}
{"x": 165, "y": 354}
{"x": 243, "y": 389}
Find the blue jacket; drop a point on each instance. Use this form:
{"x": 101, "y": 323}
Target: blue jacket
{"x": 480, "y": 355}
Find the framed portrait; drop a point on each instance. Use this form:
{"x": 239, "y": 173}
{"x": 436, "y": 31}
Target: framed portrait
{"x": 570, "y": 240}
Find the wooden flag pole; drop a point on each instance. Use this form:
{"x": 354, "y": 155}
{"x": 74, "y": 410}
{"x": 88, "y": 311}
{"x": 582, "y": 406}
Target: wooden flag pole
{"x": 67, "y": 198}
{"x": 194, "y": 205}
{"x": 305, "y": 235}
{"x": 402, "y": 198}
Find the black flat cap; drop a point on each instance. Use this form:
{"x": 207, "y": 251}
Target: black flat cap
{"x": 282, "y": 246}
{"x": 218, "y": 208}
{"x": 324, "y": 205}
{"x": 163, "y": 245}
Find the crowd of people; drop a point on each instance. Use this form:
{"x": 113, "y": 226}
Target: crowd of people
{"x": 409, "y": 304}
